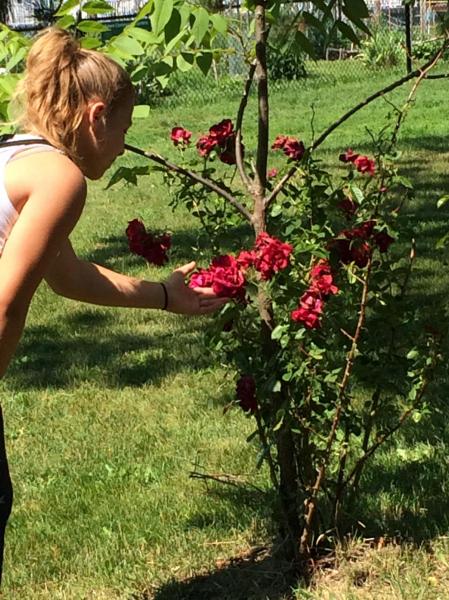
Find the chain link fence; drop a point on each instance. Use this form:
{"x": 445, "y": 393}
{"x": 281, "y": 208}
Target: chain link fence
{"x": 336, "y": 60}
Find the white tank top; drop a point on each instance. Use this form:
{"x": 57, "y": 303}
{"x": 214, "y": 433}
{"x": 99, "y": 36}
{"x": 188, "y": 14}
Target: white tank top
{"x": 8, "y": 214}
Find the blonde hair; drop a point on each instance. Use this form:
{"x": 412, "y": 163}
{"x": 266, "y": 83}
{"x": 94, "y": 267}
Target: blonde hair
{"x": 61, "y": 78}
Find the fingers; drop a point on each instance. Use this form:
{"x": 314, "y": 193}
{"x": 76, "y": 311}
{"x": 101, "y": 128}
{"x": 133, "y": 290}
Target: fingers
{"x": 186, "y": 269}
{"x": 209, "y": 305}
{"x": 205, "y": 292}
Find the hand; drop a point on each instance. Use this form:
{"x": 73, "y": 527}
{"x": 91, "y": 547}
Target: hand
{"x": 187, "y": 301}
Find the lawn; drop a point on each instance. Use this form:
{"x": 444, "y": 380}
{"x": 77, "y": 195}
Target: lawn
{"x": 109, "y": 411}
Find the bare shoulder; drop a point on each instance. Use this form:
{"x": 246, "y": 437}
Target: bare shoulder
{"x": 45, "y": 175}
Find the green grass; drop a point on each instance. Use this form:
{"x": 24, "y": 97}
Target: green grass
{"x": 108, "y": 411}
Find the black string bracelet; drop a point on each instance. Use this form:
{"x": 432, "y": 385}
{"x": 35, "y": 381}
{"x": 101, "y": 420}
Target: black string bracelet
{"x": 165, "y": 296}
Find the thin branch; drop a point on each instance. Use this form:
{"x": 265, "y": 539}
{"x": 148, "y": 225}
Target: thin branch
{"x": 387, "y": 434}
{"x": 267, "y": 451}
{"x": 260, "y": 183}
{"x": 238, "y": 127}
{"x": 408, "y": 102}
{"x": 392, "y": 86}
{"x": 212, "y": 185}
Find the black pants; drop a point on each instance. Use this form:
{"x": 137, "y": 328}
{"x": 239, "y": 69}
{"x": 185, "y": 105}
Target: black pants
{"x": 5, "y": 492}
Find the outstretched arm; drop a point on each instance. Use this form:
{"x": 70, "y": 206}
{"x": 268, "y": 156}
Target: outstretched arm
{"x": 80, "y": 280}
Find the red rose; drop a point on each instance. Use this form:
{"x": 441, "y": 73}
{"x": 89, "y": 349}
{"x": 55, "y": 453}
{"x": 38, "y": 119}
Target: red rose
{"x": 348, "y": 156}
{"x": 179, "y": 135}
{"x": 228, "y": 154}
{"x": 272, "y": 173}
{"x": 246, "y": 393}
{"x": 309, "y": 310}
{"x": 152, "y": 248}
{"x": 202, "y": 278}
{"x": 303, "y": 315}
{"x": 222, "y": 131}
{"x": 383, "y": 240}
{"x": 294, "y": 149}
{"x": 279, "y": 142}
{"x": 291, "y": 147}
{"x": 364, "y": 164}
{"x": 229, "y": 282}
{"x": 135, "y": 233}
{"x": 311, "y": 301}
{"x": 270, "y": 255}
{"x": 224, "y": 276}
{"x": 245, "y": 259}
{"x": 205, "y": 145}
{"x": 322, "y": 279}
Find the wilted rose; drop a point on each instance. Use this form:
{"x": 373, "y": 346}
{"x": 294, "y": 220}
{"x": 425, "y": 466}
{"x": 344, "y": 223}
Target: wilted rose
{"x": 348, "y": 156}
{"x": 152, "y": 247}
{"x": 383, "y": 240}
{"x": 246, "y": 393}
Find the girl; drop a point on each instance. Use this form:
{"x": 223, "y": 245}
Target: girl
{"x": 77, "y": 109}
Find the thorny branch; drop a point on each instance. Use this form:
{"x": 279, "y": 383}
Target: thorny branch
{"x": 209, "y": 183}
{"x": 310, "y": 504}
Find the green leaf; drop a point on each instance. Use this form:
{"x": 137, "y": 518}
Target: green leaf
{"x": 304, "y": 43}
{"x": 347, "y": 31}
{"x": 143, "y": 35}
{"x": 8, "y": 83}
{"x": 204, "y": 62}
{"x": 278, "y": 332}
{"x": 162, "y": 12}
{"x": 141, "y": 111}
{"x": 358, "y": 194}
{"x": 184, "y": 62}
{"x": 90, "y": 43}
{"x": 16, "y": 58}
{"x": 442, "y": 242}
{"x": 312, "y": 21}
{"x": 67, "y": 8}
{"x": 144, "y": 11}
{"x": 276, "y": 210}
{"x": 277, "y": 386}
{"x": 220, "y": 23}
{"x": 173, "y": 27}
{"x": 129, "y": 174}
{"x": 95, "y": 7}
{"x": 201, "y": 25}
{"x": 128, "y": 45}
{"x": 169, "y": 47}
{"x": 442, "y": 201}
{"x": 404, "y": 181}
{"x": 66, "y": 21}
{"x": 355, "y": 9}
{"x": 92, "y": 27}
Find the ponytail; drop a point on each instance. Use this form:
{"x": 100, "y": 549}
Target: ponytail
{"x": 61, "y": 78}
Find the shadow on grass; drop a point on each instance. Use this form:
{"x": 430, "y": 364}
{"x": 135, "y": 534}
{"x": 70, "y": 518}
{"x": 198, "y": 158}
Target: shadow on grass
{"x": 89, "y": 351}
{"x": 256, "y": 575}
